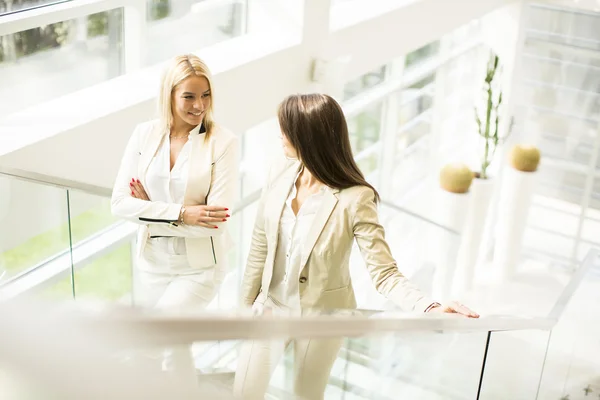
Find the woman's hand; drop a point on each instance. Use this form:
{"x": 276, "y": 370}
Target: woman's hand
{"x": 205, "y": 216}
{"x": 137, "y": 190}
{"x": 454, "y": 307}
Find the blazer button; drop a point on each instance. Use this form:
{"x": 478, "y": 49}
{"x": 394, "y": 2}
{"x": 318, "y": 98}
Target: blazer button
{"x": 302, "y": 279}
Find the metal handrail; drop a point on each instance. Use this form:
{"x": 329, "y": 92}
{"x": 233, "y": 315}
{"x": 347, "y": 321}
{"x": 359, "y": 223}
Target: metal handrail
{"x": 48, "y": 180}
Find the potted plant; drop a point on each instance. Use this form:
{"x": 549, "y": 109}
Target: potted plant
{"x": 489, "y": 128}
{"x": 488, "y": 120}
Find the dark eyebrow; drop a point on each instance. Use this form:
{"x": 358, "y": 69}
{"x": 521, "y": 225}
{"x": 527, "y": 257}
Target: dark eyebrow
{"x": 193, "y": 94}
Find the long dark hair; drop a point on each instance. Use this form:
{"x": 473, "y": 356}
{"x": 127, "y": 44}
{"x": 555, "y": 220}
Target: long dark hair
{"x": 315, "y": 125}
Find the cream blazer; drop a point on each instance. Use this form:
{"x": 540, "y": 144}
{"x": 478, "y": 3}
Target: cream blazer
{"x": 323, "y": 277}
{"x": 212, "y": 180}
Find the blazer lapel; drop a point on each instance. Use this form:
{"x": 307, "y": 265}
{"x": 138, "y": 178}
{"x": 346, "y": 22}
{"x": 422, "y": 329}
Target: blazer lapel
{"x": 330, "y": 200}
{"x": 279, "y": 194}
{"x": 150, "y": 148}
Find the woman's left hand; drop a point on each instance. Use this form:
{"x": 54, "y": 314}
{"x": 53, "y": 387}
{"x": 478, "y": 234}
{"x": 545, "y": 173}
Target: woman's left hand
{"x": 454, "y": 307}
{"x": 137, "y": 190}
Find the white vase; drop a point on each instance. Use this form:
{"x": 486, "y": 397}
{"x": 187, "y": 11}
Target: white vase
{"x": 450, "y": 210}
{"x": 515, "y": 200}
{"x": 471, "y": 238}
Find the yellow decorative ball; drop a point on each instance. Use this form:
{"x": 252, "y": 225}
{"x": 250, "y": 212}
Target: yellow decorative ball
{"x": 456, "y": 178}
{"x": 524, "y": 157}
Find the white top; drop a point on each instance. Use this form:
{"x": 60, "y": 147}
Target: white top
{"x": 293, "y": 230}
{"x": 169, "y": 186}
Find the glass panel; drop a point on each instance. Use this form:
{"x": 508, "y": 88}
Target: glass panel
{"x": 178, "y": 27}
{"x": 108, "y": 278}
{"x": 412, "y": 136}
{"x": 556, "y": 24}
{"x": 39, "y": 64}
{"x": 36, "y": 229}
{"x": 562, "y": 99}
{"x": 417, "y": 57}
{"x": 365, "y": 128}
{"x": 554, "y": 216}
{"x": 563, "y": 69}
{"x": 573, "y": 358}
{"x": 364, "y": 82}
{"x": 514, "y": 364}
{"x": 419, "y": 246}
{"x": 10, "y": 6}
{"x": 562, "y": 138}
{"x": 101, "y": 250}
{"x": 90, "y": 214}
{"x": 411, "y": 366}
{"x": 242, "y": 224}
{"x": 559, "y": 112}
{"x": 376, "y": 366}
{"x": 550, "y": 244}
{"x": 561, "y": 184}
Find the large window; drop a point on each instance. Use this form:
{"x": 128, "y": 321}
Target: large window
{"x": 39, "y": 64}
{"x": 54, "y": 59}
{"x": 179, "y": 26}
{"x": 559, "y": 104}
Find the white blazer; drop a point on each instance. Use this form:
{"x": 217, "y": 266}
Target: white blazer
{"x": 212, "y": 180}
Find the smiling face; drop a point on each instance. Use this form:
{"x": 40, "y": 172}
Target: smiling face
{"x": 190, "y": 102}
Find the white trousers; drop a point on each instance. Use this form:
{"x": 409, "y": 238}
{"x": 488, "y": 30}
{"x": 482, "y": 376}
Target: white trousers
{"x": 313, "y": 360}
{"x": 165, "y": 281}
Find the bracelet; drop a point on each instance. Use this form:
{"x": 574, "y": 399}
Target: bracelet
{"x": 181, "y": 212}
{"x": 432, "y": 306}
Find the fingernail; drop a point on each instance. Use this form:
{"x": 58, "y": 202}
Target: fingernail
{"x": 224, "y": 219}
{"x": 227, "y": 209}
{"x": 138, "y": 181}
{"x": 227, "y": 216}
{"x": 132, "y": 193}
{"x": 216, "y": 227}
{"x": 130, "y": 184}
{"x": 132, "y": 180}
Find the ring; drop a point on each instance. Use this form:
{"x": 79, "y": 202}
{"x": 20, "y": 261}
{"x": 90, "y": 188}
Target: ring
{"x": 208, "y": 213}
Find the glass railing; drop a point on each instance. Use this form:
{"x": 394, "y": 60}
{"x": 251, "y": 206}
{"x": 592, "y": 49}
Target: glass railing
{"x": 69, "y": 247}
{"x": 354, "y": 354}
{"x": 77, "y": 252}
{"x": 73, "y": 248}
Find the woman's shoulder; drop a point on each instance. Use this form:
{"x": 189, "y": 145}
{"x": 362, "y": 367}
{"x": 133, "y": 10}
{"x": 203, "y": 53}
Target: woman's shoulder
{"x": 222, "y": 134}
{"x": 358, "y": 193}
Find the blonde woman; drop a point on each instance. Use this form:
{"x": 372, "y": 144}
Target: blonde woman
{"x": 315, "y": 206}
{"x": 178, "y": 181}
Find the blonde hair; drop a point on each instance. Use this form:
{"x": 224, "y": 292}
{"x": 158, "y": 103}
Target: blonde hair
{"x": 179, "y": 69}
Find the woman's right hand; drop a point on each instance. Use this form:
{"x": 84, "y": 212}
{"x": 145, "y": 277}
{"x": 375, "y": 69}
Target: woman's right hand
{"x": 205, "y": 216}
